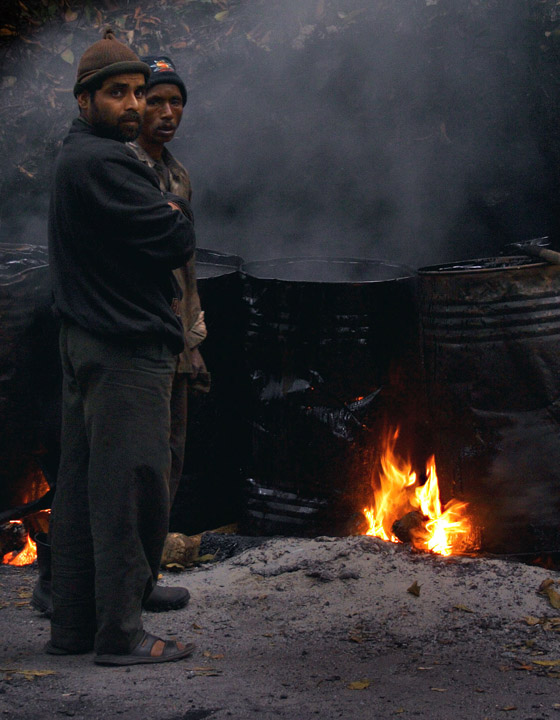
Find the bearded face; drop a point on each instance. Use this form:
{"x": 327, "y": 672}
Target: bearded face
{"x": 117, "y": 108}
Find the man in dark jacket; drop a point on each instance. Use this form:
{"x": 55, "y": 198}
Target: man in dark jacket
{"x": 114, "y": 240}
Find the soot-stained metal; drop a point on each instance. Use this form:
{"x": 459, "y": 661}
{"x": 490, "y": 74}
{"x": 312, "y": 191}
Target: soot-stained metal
{"x": 324, "y": 336}
{"x": 491, "y": 344}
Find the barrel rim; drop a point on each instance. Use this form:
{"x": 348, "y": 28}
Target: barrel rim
{"x": 226, "y": 270}
{"x": 460, "y": 267}
{"x": 407, "y": 273}
{"x": 228, "y": 263}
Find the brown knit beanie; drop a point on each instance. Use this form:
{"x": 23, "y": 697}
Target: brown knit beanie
{"x": 104, "y": 58}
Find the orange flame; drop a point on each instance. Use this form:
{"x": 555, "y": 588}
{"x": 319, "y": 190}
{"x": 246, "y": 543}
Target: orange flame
{"x": 26, "y": 556}
{"x": 442, "y": 531}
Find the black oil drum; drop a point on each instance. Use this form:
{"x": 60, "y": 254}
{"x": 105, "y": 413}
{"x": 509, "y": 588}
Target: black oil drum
{"x": 325, "y": 338}
{"x": 30, "y": 375}
{"x": 491, "y": 347}
{"x": 217, "y": 429}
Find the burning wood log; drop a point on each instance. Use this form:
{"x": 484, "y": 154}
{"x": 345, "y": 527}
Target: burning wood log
{"x": 411, "y": 527}
{"x": 13, "y": 536}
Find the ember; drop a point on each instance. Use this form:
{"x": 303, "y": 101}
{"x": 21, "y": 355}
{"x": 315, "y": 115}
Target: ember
{"x": 404, "y": 509}
{"x": 24, "y": 556}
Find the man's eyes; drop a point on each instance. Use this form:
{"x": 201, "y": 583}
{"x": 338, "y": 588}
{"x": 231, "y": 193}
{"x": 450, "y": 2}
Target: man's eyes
{"x": 117, "y": 93}
{"x": 153, "y": 102}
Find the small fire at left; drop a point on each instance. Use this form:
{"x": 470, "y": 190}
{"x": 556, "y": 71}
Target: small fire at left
{"x": 21, "y": 556}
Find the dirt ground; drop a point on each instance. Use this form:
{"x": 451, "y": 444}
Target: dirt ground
{"x": 295, "y": 628}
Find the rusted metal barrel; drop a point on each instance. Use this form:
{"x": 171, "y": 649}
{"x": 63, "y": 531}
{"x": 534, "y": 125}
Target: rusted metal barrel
{"x": 325, "y": 339}
{"x": 491, "y": 346}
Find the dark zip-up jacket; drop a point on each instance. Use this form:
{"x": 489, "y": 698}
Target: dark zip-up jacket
{"x": 114, "y": 241}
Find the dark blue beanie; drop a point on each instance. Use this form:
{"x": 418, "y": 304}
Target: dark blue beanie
{"x": 163, "y": 71}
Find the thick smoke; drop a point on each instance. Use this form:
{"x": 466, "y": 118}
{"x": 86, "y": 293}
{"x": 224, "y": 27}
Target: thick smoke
{"x": 409, "y": 133}
{"x": 406, "y": 143}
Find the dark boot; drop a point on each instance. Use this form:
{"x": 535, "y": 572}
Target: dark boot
{"x": 41, "y": 599}
{"x": 161, "y": 599}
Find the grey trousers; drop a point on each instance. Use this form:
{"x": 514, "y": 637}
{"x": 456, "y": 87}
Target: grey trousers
{"x": 177, "y": 441}
{"x": 111, "y": 508}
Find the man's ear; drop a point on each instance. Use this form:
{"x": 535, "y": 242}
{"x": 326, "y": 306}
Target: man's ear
{"x": 84, "y": 101}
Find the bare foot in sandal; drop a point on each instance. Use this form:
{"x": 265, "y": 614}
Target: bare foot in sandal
{"x": 150, "y": 649}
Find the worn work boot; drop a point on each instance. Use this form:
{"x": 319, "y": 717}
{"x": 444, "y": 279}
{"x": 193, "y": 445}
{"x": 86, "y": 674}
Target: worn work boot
{"x": 41, "y": 599}
{"x": 166, "y": 598}
{"x": 161, "y": 599}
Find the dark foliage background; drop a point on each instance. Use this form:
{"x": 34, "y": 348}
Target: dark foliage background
{"x": 416, "y": 131}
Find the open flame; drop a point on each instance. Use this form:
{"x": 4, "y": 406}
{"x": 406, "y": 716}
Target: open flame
{"x": 398, "y": 496}
{"x": 25, "y": 556}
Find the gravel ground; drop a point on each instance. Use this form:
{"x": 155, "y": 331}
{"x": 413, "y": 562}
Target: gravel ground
{"x": 295, "y": 628}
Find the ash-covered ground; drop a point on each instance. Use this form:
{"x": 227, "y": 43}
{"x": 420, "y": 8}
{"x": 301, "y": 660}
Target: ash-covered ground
{"x": 351, "y": 628}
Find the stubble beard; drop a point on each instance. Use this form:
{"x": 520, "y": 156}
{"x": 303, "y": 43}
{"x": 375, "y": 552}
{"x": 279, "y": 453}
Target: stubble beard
{"x": 116, "y": 131}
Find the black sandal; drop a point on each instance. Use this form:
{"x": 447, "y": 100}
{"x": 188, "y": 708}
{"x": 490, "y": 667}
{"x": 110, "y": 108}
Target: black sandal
{"x": 151, "y": 649}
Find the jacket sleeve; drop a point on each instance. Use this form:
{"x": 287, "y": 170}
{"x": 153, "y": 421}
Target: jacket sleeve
{"x": 127, "y": 196}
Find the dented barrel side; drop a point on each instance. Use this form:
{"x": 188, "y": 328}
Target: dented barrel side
{"x": 491, "y": 349}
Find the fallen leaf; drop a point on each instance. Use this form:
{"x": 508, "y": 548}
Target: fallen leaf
{"x": 356, "y": 638}
{"x": 547, "y": 663}
{"x": 221, "y": 15}
{"x": 359, "y": 685}
{"x": 70, "y": 15}
{"x": 212, "y": 656}
{"x": 531, "y": 620}
{"x": 414, "y": 589}
{"x": 463, "y": 608}
{"x": 68, "y": 56}
{"x": 438, "y": 689}
{"x": 507, "y": 708}
{"x": 177, "y": 567}
{"x": 27, "y": 674}
{"x": 206, "y": 671}
{"x": 553, "y": 596}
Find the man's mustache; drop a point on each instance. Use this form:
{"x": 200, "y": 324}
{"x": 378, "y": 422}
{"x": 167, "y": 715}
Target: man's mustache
{"x": 131, "y": 116}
